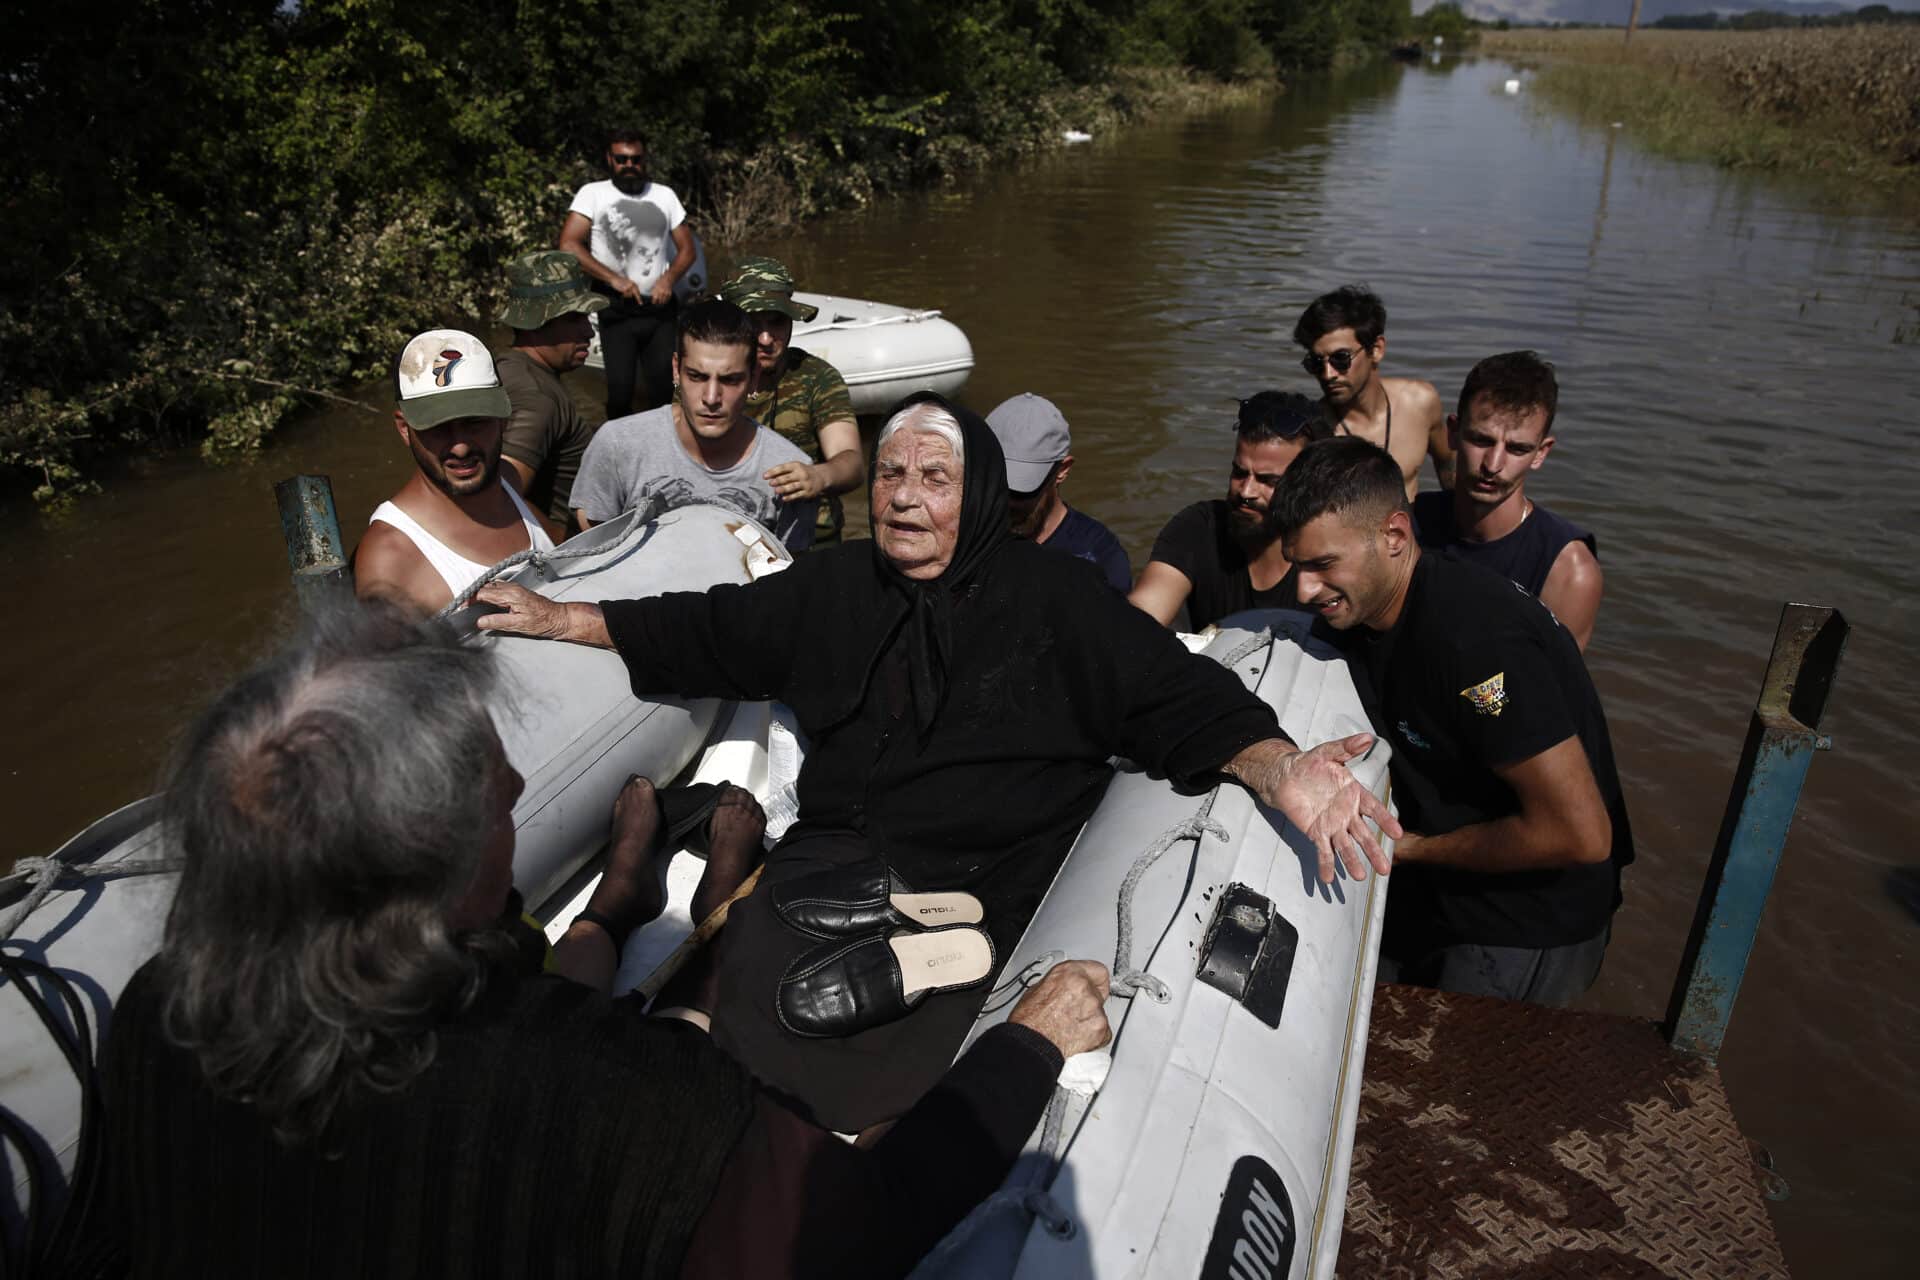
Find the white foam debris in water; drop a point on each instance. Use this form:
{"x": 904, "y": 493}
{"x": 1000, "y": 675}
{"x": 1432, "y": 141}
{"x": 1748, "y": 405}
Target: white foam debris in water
{"x": 1512, "y": 86}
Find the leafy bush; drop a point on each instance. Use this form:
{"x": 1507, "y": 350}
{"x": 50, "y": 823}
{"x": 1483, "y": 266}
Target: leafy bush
{"x": 217, "y": 209}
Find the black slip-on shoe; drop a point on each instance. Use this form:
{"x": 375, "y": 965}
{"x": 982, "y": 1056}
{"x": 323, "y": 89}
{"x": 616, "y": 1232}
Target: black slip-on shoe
{"x": 841, "y": 988}
{"x": 684, "y": 813}
{"x": 867, "y": 898}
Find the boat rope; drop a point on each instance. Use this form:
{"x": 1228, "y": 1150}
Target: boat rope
{"x": 53, "y": 1238}
{"x": 1247, "y": 648}
{"x": 538, "y": 559}
{"x": 44, "y": 875}
{"x": 1126, "y": 978}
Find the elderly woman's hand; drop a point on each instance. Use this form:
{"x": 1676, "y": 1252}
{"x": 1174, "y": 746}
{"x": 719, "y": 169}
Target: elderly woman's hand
{"x": 1319, "y": 795}
{"x": 527, "y": 613}
{"x": 1068, "y": 1006}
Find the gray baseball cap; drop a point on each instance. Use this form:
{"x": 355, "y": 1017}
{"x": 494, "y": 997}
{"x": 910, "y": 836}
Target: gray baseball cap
{"x": 1033, "y": 434}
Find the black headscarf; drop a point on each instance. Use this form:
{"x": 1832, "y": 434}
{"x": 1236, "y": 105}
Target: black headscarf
{"x": 926, "y": 627}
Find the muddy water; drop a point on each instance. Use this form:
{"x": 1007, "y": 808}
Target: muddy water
{"x": 1735, "y": 423}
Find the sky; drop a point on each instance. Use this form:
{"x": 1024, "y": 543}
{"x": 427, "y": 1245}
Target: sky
{"x": 1615, "y": 11}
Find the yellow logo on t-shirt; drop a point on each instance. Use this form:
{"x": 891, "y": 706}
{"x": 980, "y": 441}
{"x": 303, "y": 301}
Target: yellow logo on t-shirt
{"x": 1489, "y": 697}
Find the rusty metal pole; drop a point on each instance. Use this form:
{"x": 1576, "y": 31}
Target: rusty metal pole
{"x": 1766, "y": 788}
{"x": 311, "y": 527}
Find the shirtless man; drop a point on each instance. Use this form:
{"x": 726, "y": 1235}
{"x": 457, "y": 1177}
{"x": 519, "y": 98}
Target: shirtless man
{"x": 454, "y": 518}
{"x": 1345, "y": 337}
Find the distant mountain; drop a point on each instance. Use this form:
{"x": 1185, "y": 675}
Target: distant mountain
{"x": 1615, "y": 12}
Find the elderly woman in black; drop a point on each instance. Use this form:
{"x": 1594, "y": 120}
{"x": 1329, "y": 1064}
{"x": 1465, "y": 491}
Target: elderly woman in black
{"x": 342, "y": 1064}
{"x": 962, "y": 693}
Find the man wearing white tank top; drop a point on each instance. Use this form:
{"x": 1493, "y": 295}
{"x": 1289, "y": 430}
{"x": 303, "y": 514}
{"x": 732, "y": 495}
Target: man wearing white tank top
{"x": 453, "y": 519}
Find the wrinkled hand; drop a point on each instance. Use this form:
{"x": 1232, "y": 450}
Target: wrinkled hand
{"x": 1322, "y": 798}
{"x": 796, "y": 481}
{"x": 527, "y": 613}
{"x": 1069, "y": 1007}
{"x": 662, "y": 292}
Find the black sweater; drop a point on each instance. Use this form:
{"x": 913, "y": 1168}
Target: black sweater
{"x": 556, "y": 1133}
{"x": 1051, "y": 673}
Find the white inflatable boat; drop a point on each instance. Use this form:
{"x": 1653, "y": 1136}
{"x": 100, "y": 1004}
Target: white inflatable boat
{"x": 1215, "y": 1139}
{"x": 570, "y": 727}
{"x": 883, "y": 351}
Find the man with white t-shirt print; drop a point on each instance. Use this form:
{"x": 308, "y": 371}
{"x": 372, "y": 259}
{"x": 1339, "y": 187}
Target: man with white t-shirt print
{"x": 454, "y": 518}
{"x": 703, "y": 447}
{"x": 631, "y": 238}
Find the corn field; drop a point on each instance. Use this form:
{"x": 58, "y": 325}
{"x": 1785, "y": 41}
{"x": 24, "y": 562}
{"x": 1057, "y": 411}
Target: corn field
{"x": 1863, "y": 82}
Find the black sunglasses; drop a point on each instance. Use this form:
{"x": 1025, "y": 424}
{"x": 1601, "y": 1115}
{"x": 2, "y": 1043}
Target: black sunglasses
{"x": 1341, "y": 361}
{"x": 1281, "y": 421}
{"x": 628, "y": 162}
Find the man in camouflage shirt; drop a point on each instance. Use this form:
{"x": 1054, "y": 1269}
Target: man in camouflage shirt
{"x": 548, "y": 302}
{"x": 800, "y": 396}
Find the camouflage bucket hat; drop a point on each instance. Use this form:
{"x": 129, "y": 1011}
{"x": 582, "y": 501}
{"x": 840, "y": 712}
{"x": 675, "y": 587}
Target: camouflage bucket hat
{"x": 762, "y": 284}
{"x": 543, "y": 285}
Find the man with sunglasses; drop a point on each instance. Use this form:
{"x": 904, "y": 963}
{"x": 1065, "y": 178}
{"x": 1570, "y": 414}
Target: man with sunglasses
{"x": 1345, "y": 337}
{"x": 1223, "y": 556}
{"x": 631, "y": 238}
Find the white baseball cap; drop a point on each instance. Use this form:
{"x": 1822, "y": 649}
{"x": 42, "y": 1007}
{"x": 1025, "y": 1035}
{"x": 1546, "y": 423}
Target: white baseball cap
{"x": 445, "y": 374}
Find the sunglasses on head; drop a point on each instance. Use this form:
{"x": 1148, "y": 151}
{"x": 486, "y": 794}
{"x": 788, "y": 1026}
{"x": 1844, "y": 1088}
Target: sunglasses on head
{"x": 1315, "y": 363}
{"x": 1280, "y": 421}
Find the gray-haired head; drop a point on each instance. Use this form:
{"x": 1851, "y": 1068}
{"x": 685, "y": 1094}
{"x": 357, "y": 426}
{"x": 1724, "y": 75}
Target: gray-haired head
{"x": 331, "y": 808}
{"x": 924, "y": 415}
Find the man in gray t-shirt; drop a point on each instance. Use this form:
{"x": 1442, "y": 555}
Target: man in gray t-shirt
{"x": 639, "y": 462}
{"x": 702, "y": 447}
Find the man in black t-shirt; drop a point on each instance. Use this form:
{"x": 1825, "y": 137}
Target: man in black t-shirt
{"x": 1506, "y": 881}
{"x": 1222, "y": 556}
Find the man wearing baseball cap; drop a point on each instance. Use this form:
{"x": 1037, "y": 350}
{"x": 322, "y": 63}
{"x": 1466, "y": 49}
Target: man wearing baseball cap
{"x": 799, "y": 395}
{"x": 1033, "y": 434}
{"x": 548, "y": 302}
{"x": 454, "y": 518}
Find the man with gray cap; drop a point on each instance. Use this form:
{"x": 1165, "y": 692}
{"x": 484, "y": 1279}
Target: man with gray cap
{"x": 454, "y": 518}
{"x": 799, "y": 395}
{"x": 548, "y": 301}
{"x": 1033, "y": 434}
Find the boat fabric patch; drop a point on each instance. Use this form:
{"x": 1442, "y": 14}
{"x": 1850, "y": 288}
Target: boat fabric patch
{"x": 1253, "y": 1237}
{"x": 1489, "y": 697}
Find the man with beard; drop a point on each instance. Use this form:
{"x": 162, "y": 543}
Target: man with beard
{"x": 800, "y": 396}
{"x": 548, "y": 303}
{"x": 1507, "y": 878}
{"x": 1222, "y": 556}
{"x": 1501, "y": 434}
{"x": 630, "y": 235}
{"x": 1345, "y": 337}
{"x": 454, "y": 518}
{"x": 1033, "y": 434}
{"x": 701, "y": 448}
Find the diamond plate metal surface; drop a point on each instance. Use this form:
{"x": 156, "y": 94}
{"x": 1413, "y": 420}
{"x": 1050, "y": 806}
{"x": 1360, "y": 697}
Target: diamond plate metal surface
{"x": 1507, "y": 1141}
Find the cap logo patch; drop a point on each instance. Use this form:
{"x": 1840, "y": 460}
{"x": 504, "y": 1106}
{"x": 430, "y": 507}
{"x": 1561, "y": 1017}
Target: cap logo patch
{"x": 1489, "y": 697}
{"x": 443, "y": 367}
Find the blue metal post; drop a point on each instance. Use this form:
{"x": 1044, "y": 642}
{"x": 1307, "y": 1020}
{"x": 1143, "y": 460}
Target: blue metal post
{"x": 311, "y": 527}
{"x": 1766, "y": 788}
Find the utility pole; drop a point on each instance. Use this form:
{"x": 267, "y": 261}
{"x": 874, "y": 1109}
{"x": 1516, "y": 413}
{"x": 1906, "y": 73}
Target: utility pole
{"x": 1633, "y": 20}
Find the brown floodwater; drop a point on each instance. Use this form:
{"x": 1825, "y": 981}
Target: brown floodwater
{"x": 1740, "y": 383}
